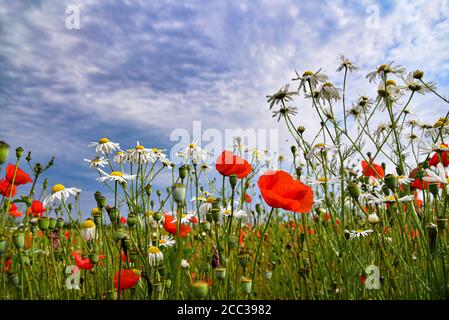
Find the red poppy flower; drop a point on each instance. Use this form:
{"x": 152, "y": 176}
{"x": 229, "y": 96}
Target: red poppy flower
{"x": 128, "y": 279}
{"x": 376, "y": 171}
{"x": 172, "y": 227}
{"x": 123, "y": 220}
{"x": 6, "y": 187}
{"x": 248, "y": 198}
{"x": 280, "y": 190}
{"x": 85, "y": 263}
{"x": 444, "y": 158}
{"x": 418, "y": 183}
{"x": 194, "y": 220}
{"x": 228, "y": 163}
{"x": 36, "y": 209}
{"x": 14, "y": 211}
{"x": 21, "y": 176}
{"x": 8, "y": 264}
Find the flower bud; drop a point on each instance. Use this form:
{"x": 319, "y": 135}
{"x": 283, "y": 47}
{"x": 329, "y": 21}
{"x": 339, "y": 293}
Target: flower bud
{"x": 51, "y": 223}
{"x": 220, "y": 273}
{"x": 157, "y": 216}
{"x": 3, "y": 246}
{"x": 391, "y": 181}
{"x": 267, "y": 275}
{"x": 148, "y": 190}
{"x": 301, "y": 129}
{"x": 182, "y": 172}
{"x": 132, "y": 219}
{"x": 258, "y": 208}
{"x": 205, "y": 226}
{"x": 244, "y": 259}
{"x": 200, "y": 289}
{"x": 179, "y": 193}
{"x": 293, "y": 149}
{"x": 114, "y": 214}
{"x": 94, "y": 258}
{"x": 43, "y": 223}
{"x": 60, "y": 223}
{"x": 233, "y": 180}
{"x": 19, "y": 152}
{"x": 246, "y": 285}
{"x": 119, "y": 235}
{"x": 19, "y": 240}
{"x": 432, "y": 233}
{"x": 373, "y": 218}
{"x": 354, "y": 191}
{"x": 4, "y": 152}
{"x": 418, "y": 74}
{"x": 101, "y": 203}
{"x": 215, "y": 215}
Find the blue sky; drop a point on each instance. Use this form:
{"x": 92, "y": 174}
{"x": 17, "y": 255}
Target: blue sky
{"x": 135, "y": 70}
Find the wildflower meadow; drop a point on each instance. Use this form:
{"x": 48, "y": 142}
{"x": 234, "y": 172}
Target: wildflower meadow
{"x": 358, "y": 211}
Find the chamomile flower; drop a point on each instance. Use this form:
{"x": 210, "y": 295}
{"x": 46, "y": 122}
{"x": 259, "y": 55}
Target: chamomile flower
{"x": 238, "y": 145}
{"x": 404, "y": 180}
{"x": 155, "y": 256}
{"x": 168, "y": 163}
{"x": 318, "y": 148}
{"x": 97, "y": 162}
{"x": 281, "y": 95}
{"x": 388, "y": 199}
{"x": 437, "y": 147}
{"x": 258, "y": 155}
{"x": 323, "y": 180}
{"x": 329, "y": 92}
{"x": 284, "y": 111}
{"x": 413, "y": 85}
{"x": 166, "y": 241}
{"x": 120, "y": 157}
{"x": 89, "y": 230}
{"x": 438, "y": 174}
{"x": 345, "y": 63}
{"x": 140, "y": 154}
{"x": 364, "y": 103}
{"x": 185, "y": 264}
{"x": 356, "y": 234}
{"x": 104, "y": 146}
{"x": 383, "y": 70}
{"x": 193, "y": 153}
{"x": 226, "y": 211}
{"x": 314, "y": 78}
{"x": 60, "y": 193}
{"x": 185, "y": 218}
{"x": 388, "y": 93}
{"x": 115, "y": 176}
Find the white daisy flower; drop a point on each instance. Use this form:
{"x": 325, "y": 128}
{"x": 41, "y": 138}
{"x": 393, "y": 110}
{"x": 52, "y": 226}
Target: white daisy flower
{"x": 184, "y": 264}
{"x": 104, "y": 146}
{"x": 329, "y": 92}
{"x": 60, "y": 193}
{"x": 185, "y": 218}
{"x": 438, "y": 147}
{"x": 238, "y": 145}
{"x": 318, "y": 148}
{"x": 309, "y": 76}
{"x": 155, "y": 256}
{"x": 120, "y": 157}
{"x": 193, "y": 153}
{"x": 166, "y": 241}
{"x": 353, "y": 234}
{"x": 258, "y": 155}
{"x": 388, "y": 199}
{"x": 388, "y": 92}
{"x": 383, "y": 70}
{"x": 140, "y": 154}
{"x": 89, "y": 230}
{"x": 440, "y": 174}
{"x": 323, "y": 180}
{"x": 413, "y": 85}
{"x": 345, "y": 63}
{"x": 237, "y": 214}
{"x": 168, "y": 163}
{"x": 115, "y": 176}
{"x": 97, "y": 162}
{"x": 404, "y": 180}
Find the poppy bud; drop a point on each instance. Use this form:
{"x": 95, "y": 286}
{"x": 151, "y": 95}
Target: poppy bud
{"x": 148, "y": 189}
{"x": 258, "y": 208}
{"x": 354, "y": 191}
{"x": 182, "y": 172}
{"x": 205, "y": 226}
{"x": 94, "y": 258}
{"x": 216, "y": 215}
{"x": 97, "y": 196}
{"x": 19, "y": 152}
{"x": 216, "y": 203}
{"x": 267, "y": 275}
{"x": 399, "y": 171}
{"x": 132, "y": 219}
{"x": 418, "y": 74}
{"x": 442, "y": 223}
{"x": 246, "y": 285}
{"x": 220, "y": 273}
{"x": 233, "y": 180}
{"x": 60, "y": 223}
{"x": 4, "y": 152}
{"x": 301, "y": 129}
{"x": 101, "y": 203}
{"x": 119, "y": 235}
{"x": 51, "y": 223}
{"x": 432, "y": 233}
{"x": 385, "y": 190}
{"x": 114, "y": 214}
{"x": 244, "y": 259}
{"x": 3, "y": 246}
{"x": 158, "y": 287}
{"x": 293, "y": 149}
{"x": 43, "y": 223}
{"x": 232, "y": 242}
{"x": 434, "y": 188}
{"x": 298, "y": 171}
{"x": 179, "y": 193}
{"x": 19, "y": 240}
{"x": 157, "y": 216}
{"x": 209, "y": 217}
{"x": 152, "y": 203}
{"x": 200, "y": 289}
{"x": 391, "y": 181}
{"x": 24, "y": 260}
{"x": 158, "y": 193}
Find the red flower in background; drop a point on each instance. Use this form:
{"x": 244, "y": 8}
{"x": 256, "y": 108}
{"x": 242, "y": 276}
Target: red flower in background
{"x": 376, "y": 171}
{"x": 8, "y": 264}
{"x": 280, "y": 190}
{"x": 228, "y": 163}
{"x": 85, "y": 263}
{"x": 128, "y": 279}
{"x": 21, "y": 176}
{"x": 248, "y": 198}
{"x": 14, "y": 211}
{"x": 6, "y": 187}
{"x": 36, "y": 209}
{"x": 444, "y": 157}
{"x": 418, "y": 183}
{"x": 123, "y": 220}
{"x": 172, "y": 227}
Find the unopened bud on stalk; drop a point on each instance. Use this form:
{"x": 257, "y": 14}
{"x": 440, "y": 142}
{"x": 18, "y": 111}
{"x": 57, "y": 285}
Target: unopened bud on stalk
{"x": 157, "y": 216}
{"x": 3, "y": 245}
{"x": 293, "y": 149}
{"x": 205, "y": 226}
{"x": 60, "y": 223}
{"x": 94, "y": 258}
{"x": 267, "y": 275}
{"x": 391, "y": 181}
{"x": 246, "y": 285}
{"x": 52, "y": 223}
{"x": 28, "y": 157}
{"x": 182, "y": 171}
{"x": 158, "y": 193}
{"x": 119, "y": 235}
{"x": 400, "y": 171}
{"x": 298, "y": 171}
{"x": 43, "y": 223}
{"x": 216, "y": 203}
{"x": 4, "y": 152}
{"x": 258, "y": 208}
{"x": 179, "y": 193}
{"x": 19, "y": 240}
{"x": 244, "y": 259}
{"x": 113, "y": 214}
{"x": 354, "y": 191}
{"x": 220, "y": 273}
{"x": 132, "y": 219}
{"x": 148, "y": 190}
{"x": 233, "y": 180}
{"x": 301, "y": 129}
{"x": 97, "y": 196}
{"x": 200, "y": 289}
{"x": 418, "y": 74}
{"x": 152, "y": 203}
{"x": 432, "y": 233}
{"x": 19, "y": 153}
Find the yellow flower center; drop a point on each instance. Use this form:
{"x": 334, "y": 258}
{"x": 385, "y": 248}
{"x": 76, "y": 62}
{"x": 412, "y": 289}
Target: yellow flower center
{"x": 382, "y": 67}
{"x": 359, "y": 231}
{"x": 119, "y": 153}
{"x": 192, "y": 145}
{"x": 140, "y": 147}
{"x": 320, "y": 145}
{"x": 210, "y": 199}
{"x": 103, "y": 140}
{"x": 307, "y": 73}
{"x": 116, "y": 174}
{"x": 95, "y": 211}
{"x": 323, "y": 179}
{"x": 390, "y": 82}
{"x": 153, "y": 250}
{"x": 162, "y": 241}
{"x": 389, "y": 198}
{"x": 328, "y": 84}
{"x": 88, "y": 224}
{"x": 443, "y": 146}
{"x": 156, "y": 150}
{"x": 57, "y": 188}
